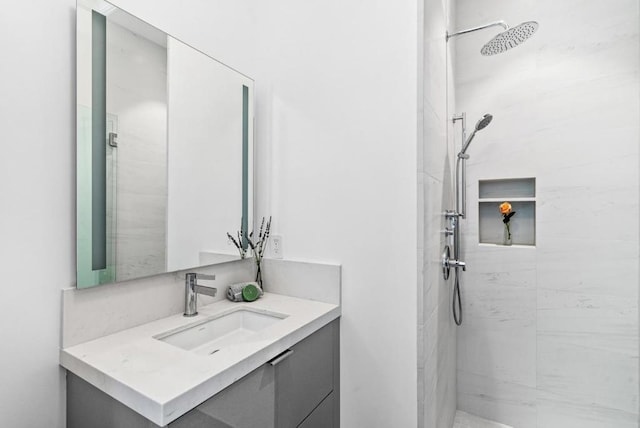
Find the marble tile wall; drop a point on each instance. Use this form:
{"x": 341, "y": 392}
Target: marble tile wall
{"x": 436, "y": 330}
{"x": 550, "y": 338}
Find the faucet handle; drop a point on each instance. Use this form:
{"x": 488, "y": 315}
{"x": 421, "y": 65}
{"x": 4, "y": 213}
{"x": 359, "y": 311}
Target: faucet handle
{"x": 205, "y": 276}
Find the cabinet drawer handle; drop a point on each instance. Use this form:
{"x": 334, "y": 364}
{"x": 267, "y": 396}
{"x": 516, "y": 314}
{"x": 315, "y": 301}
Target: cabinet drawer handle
{"x": 277, "y": 360}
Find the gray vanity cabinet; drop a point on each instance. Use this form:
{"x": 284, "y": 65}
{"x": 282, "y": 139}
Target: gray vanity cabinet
{"x": 297, "y": 389}
{"x": 305, "y": 378}
{"x": 88, "y": 407}
{"x": 323, "y": 415}
{"x": 248, "y": 402}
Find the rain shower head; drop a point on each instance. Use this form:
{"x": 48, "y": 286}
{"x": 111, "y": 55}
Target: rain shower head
{"x": 482, "y": 123}
{"x": 510, "y": 38}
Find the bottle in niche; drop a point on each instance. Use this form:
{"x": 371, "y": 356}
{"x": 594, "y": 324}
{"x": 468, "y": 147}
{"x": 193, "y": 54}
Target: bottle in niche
{"x": 507, "y": 239}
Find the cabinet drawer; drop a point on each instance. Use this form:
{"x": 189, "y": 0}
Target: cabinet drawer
{"x": 248, "y": 403}
{"x": 322, "y": 416}
{"x": 305, "y": 377}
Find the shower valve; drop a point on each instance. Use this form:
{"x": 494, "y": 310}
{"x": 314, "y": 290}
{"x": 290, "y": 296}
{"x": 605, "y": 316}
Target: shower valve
{"x": 448, "y": 263}
{"x": 457, "y": 264}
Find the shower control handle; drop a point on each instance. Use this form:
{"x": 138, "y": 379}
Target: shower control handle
{"x": 457, "y": 264}
{"x": 448, "y": 263}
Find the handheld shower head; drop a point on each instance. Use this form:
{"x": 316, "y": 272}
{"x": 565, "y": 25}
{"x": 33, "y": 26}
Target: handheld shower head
{"x": 482, "y": 123}
{"x": 510, "y": 38}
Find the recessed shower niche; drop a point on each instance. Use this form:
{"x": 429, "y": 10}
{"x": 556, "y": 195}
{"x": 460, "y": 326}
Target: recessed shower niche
{"x": 521, "y": 194}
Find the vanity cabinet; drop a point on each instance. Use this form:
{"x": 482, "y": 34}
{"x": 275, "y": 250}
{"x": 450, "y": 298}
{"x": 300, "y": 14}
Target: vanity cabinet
{"x": 306, "y": 377}
{"x": 323, "y": 415}
{"x": 298, "y": 388}
{"x": 249, "y": 402}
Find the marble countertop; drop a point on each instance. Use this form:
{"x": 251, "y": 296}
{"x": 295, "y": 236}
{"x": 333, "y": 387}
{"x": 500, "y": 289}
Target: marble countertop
{"x": 162, "y": 382}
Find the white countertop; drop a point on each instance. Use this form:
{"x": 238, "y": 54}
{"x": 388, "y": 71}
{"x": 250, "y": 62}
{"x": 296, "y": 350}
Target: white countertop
{"x": 162, "y": 382}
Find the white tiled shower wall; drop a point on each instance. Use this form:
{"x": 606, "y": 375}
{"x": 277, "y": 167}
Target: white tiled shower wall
{"x": 436, "y": 331}
{"x": 550, "y": 338}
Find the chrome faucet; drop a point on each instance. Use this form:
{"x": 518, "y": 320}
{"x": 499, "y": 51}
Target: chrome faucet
{"x": 192, "y": 289}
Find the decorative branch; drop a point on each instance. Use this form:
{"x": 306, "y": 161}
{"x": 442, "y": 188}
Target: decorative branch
{"x": 258, "y": 246}
{"x": 238, "y": 242}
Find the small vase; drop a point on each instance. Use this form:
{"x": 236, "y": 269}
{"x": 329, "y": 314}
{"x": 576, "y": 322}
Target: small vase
{"x": 258, "y": 274}
{"x": 507, "y": 237}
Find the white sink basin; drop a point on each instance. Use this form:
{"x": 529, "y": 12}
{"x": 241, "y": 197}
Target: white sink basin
{"x": 210, "y": 335}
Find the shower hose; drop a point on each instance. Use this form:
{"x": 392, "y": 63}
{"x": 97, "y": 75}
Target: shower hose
{"x": 456, "y": 303}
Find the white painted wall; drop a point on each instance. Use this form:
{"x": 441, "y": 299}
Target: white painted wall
{"x": 436, "y": 328}
{"x": 37, "y": 225}
{"x": 204, "y": 156}
{"x": 551, "y": 333}
{"x": 336, "y": 108}
{"x": 337, "y": 133}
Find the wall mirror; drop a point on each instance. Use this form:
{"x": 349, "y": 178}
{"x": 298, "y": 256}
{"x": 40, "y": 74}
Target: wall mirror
{"x": 164, "y": 150}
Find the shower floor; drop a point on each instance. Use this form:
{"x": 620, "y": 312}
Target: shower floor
{"x": 466, "y": 420}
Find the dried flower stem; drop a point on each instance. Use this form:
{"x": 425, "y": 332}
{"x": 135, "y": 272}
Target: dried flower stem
{"x": 238, "y": 245}
{"x": 257, "y": 247}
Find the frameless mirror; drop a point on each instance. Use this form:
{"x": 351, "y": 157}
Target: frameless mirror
{"x": 164, "y": 150}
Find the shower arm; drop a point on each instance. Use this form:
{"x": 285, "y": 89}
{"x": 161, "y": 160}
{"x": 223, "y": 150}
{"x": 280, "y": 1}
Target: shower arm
{"x": 482, "y": 27}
